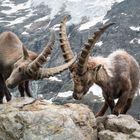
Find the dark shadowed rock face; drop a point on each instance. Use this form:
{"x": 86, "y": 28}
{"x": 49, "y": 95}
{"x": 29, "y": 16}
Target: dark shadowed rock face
{"x": 123, "y": 35}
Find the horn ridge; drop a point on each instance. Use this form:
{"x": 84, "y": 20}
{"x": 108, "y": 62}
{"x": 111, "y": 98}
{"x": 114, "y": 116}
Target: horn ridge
{"x": 47, "y": 72}
{"x": 42, "y": 57}
{"x": 64, "y": 43}
{"x": 84, "y": 55}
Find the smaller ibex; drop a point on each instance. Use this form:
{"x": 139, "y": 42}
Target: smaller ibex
{"x": 26, "y": 69}
{"x": 118, "y": 74}
{"x": 17, "y": 65}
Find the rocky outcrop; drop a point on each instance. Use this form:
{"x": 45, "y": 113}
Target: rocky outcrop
{"x": 30, "y": 119}
{"x": 35, "y": 33}
{"x": 122, "y": 127}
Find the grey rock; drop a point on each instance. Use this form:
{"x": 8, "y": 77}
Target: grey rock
{"x": 122, "y": 127}
{"x": 125, "y": 123}
{"x": 109, "y": 135}
{"x": 30, "y": 119}
{"x": 124, "y": 14}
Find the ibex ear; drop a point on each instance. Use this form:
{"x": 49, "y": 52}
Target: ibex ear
{"x": 25, "y": 53}
{"x": 97, "y": 68}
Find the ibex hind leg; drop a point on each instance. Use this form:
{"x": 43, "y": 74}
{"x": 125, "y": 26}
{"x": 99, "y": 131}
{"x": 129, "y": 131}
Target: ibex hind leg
{"x": 24, "y": 87}
{"x": 123, "y": 98}
{"x": 121, "y": 104}
{"x": 27, "y": 90}
{"x": 127, "y": 106}
{"x": 4, "y": 90}
{"x": 128, "y": 103}
{"x": 111, "y": 103}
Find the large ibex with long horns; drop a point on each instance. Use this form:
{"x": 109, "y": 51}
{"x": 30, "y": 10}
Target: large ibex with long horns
{"x": 118, "y": 74}
{"x": 18, "y": 67}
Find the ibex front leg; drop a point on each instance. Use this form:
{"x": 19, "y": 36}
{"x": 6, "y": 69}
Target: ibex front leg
{"x": 123, "y": 103}
{"x": 24, "y": 87}
{"x": 111, "y": 103}
{"x": 120, "y": 104}
{"x": 102, "y": 110}
{"x": 129, "y": 102}
{"x": 27, "y": 90}
{"x": 127, "y": 106}
{"x": 21, "y": 89}
{"x": 108, "y": 102}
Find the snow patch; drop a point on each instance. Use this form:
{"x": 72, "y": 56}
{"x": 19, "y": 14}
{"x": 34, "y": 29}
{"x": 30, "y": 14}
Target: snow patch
{"x": 135, "y": 40}
{"x": 56, "y": 27}
{"x": 50, "y": 100}
{"x": 100, "y": 43}
{"x": 123, "y": 14}
{"x": 42, "y": 19}
{"x": 14, "y": 8}
{"x": 90, "y": 23}
{"x": 92, "y": 10}
{"x": 16, "y": 21}
{"x": 105, "y": 20}
{"x": 54, "y": 79}
{"x": 25, "y": 33}
{"x": 96, "y": 90}
{"x": 135, "y": 28}
{"x": 65, "y": 94}
{"x": 28, "y": 26}
{"x": 19, "y": 20}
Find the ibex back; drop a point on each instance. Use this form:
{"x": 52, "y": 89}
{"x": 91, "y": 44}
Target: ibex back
{"x": 118, "y": 74}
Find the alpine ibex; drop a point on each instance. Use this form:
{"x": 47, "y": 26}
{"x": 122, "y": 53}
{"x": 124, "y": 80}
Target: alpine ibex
{"x": 18, "y": 67}
{"x": 118, "y": 74}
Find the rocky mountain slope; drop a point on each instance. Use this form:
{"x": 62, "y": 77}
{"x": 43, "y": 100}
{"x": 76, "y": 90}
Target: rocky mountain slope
{"x": 32, "y": 20}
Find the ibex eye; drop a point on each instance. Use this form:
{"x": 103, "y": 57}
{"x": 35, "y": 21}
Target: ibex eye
{"x": 15, "y": 66}
{"x": 19, "y": 69}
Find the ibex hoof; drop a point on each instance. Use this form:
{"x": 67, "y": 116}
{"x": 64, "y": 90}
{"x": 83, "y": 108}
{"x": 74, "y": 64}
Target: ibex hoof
{"x": 9, "y": 97}
{"x": 116, "y": 112}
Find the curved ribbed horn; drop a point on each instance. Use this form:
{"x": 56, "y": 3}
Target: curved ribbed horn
{"x": 64, "y": 43}
{"x": 47, "y": 72}
{"x": 42, "y": 57}
{"x": 84, "y": 55}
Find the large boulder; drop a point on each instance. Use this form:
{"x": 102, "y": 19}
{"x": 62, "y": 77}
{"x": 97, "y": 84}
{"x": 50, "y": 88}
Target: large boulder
{"x": 30, "y": 119}
{"x": 34, "y": 119}
{"x": 122, "y": 127}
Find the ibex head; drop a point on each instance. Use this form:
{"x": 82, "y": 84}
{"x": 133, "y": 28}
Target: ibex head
{"x": 83, "y": 81}
{"x": 26, "y": 69}
{"x": 84, "y": 73}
